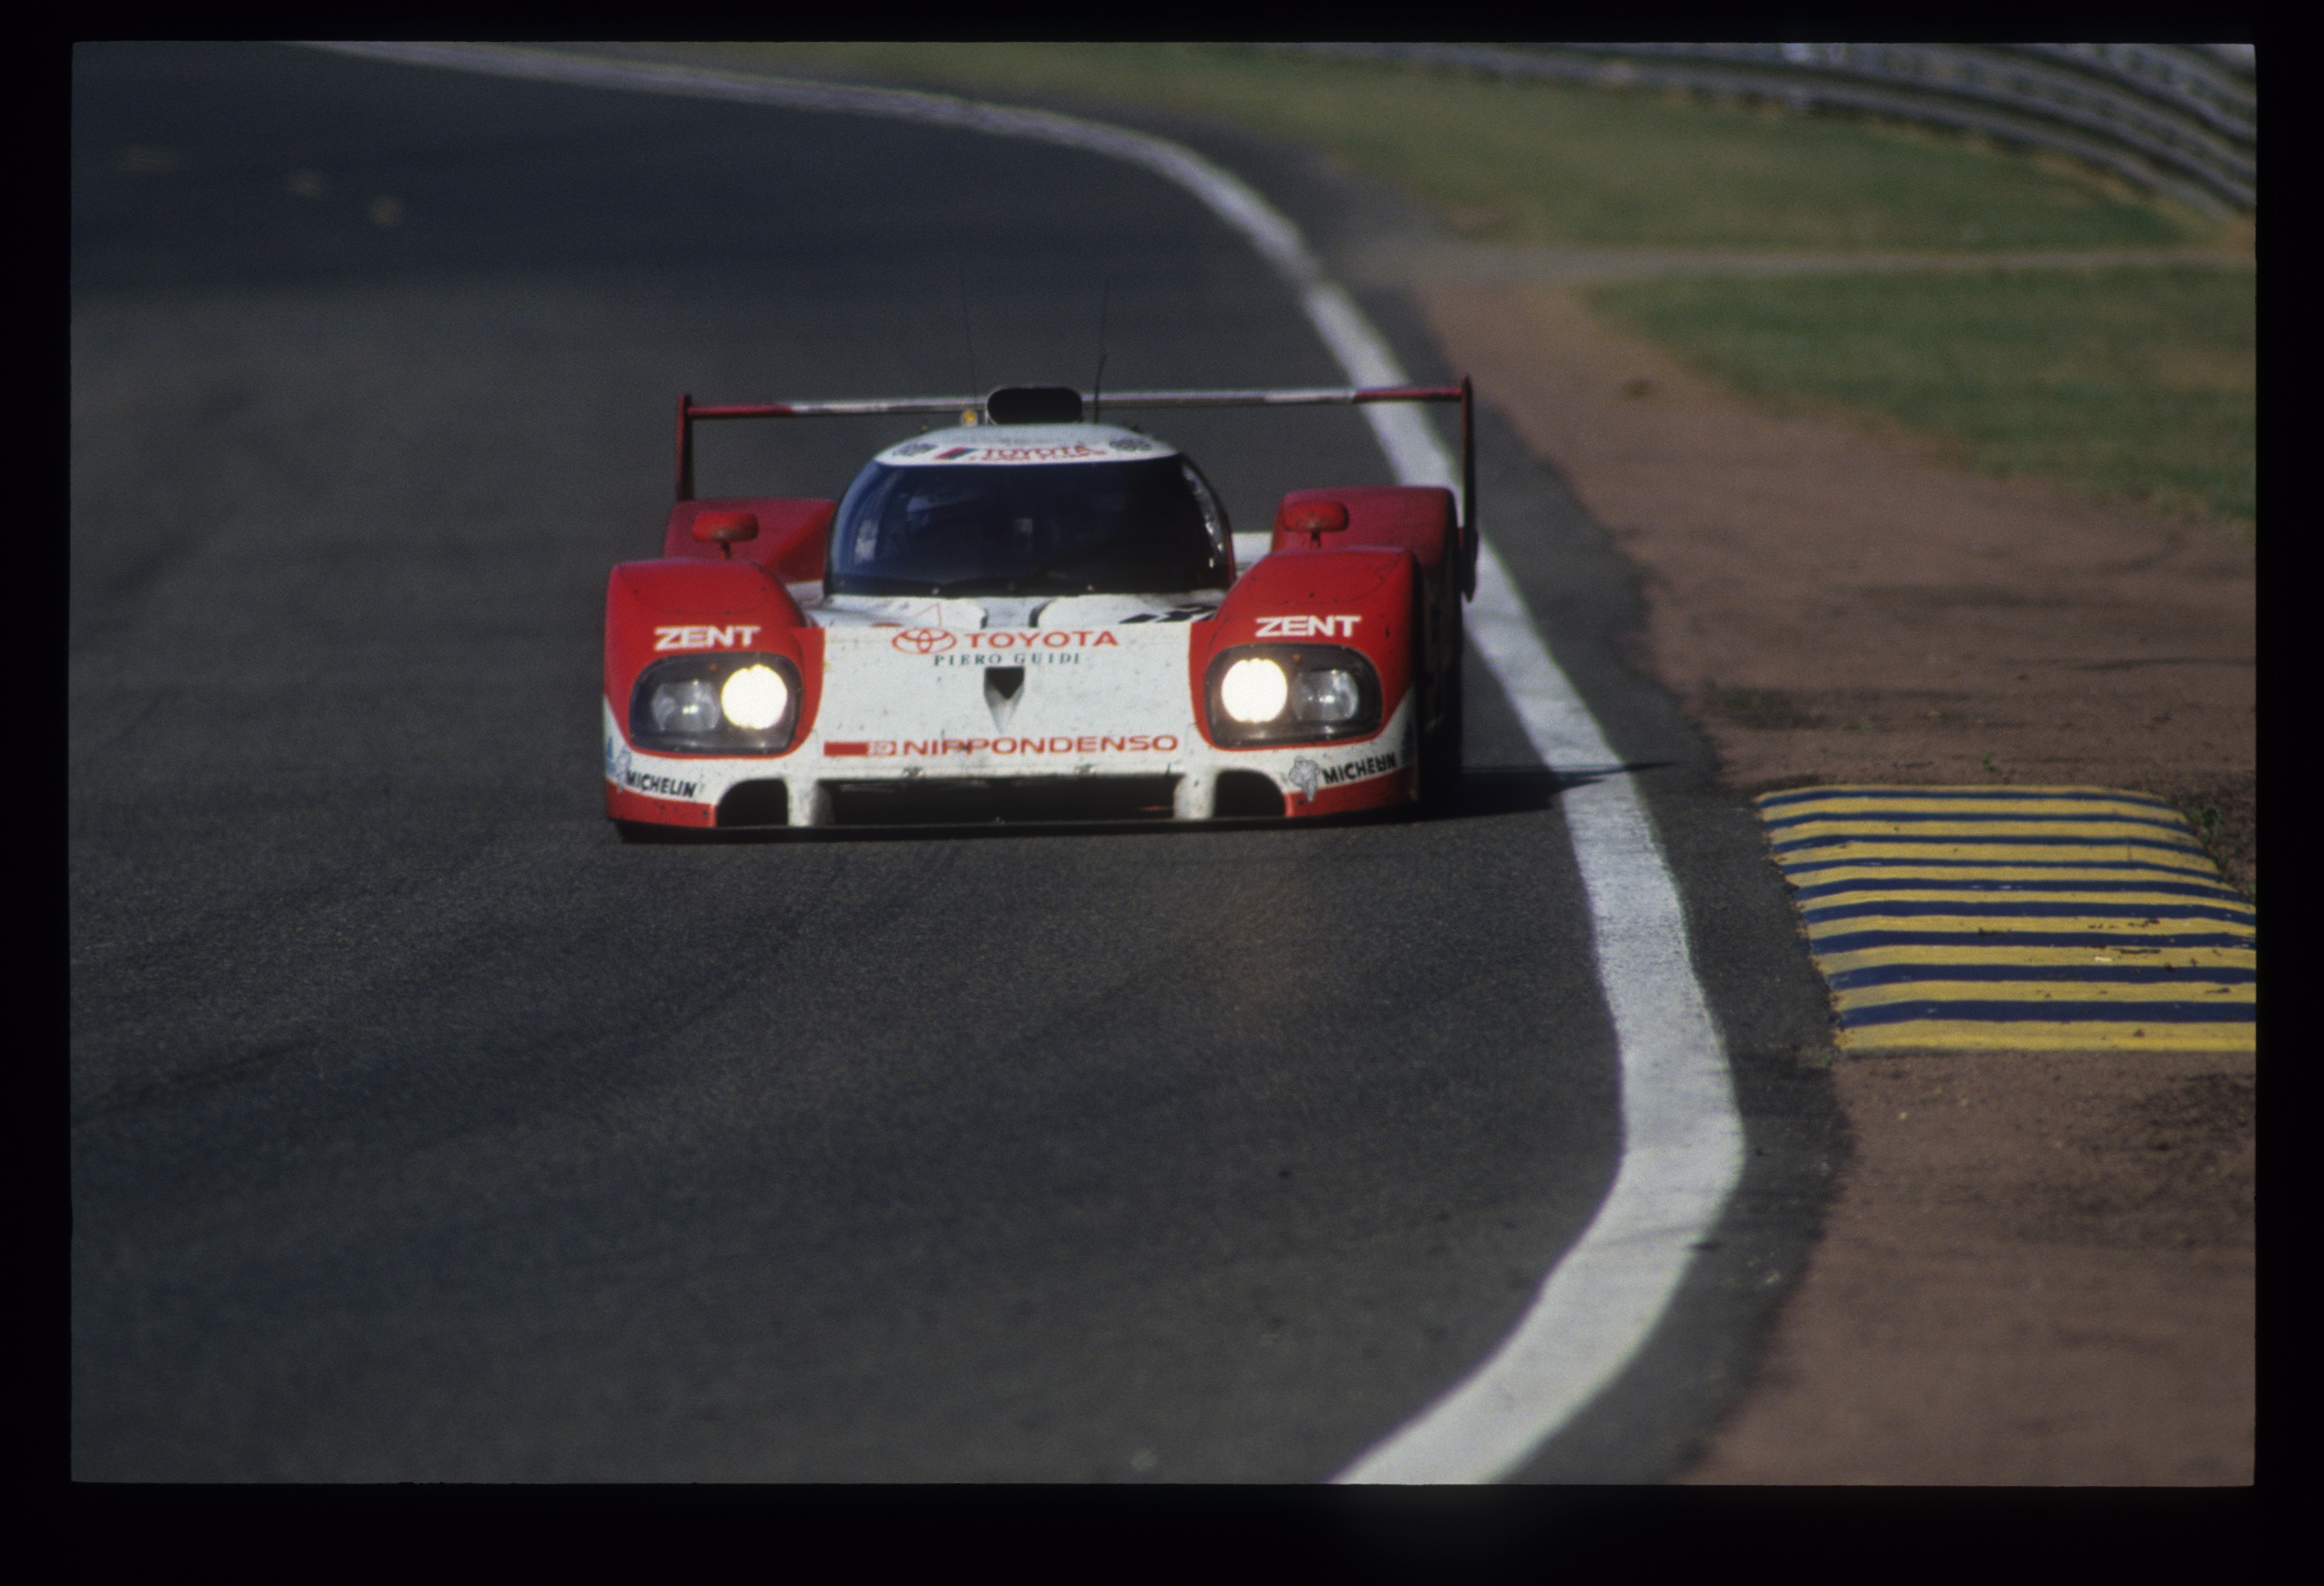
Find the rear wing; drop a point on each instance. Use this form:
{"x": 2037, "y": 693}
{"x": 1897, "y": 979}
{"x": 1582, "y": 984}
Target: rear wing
{"x": 969, "y": 408}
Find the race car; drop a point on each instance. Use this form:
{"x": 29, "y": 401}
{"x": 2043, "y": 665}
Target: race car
{"x": 1032, "y": 615}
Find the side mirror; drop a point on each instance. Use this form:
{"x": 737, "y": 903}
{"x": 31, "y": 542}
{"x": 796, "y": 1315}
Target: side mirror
{"x": 1315, "y": 518}
{"x": 725, "y": 530}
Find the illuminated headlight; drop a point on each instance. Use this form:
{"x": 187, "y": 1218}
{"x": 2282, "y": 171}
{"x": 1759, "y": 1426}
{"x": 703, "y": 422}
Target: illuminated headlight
{"x": 720, "y": 703}
{"x": 1292, "y": 694}
{"x": 755, "y": 697}
{"x": 1253, "y": 690}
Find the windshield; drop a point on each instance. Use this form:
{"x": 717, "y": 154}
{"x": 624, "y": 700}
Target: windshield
{"x": 1147, "y": 527}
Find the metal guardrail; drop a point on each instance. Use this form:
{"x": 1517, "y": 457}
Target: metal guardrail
{"x": 2175, "y": 119}
{"x": 2196, "y": 81}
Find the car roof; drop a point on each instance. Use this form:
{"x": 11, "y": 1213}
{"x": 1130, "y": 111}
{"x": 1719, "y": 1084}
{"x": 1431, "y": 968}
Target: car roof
{"x": 1017, "y": 445}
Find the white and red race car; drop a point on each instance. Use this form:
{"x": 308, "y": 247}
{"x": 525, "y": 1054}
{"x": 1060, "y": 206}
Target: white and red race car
{"x": 1028, "y": 616}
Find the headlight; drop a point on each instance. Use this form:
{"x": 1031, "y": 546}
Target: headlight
{"x": 722, "y": 703}
{"x": 1292, "y": 694}
{"x": 1332, "y": 696}
{"x": 1254, "y": 690}
{"x": 685, "y": 705}
{"x": 755, "y": 697}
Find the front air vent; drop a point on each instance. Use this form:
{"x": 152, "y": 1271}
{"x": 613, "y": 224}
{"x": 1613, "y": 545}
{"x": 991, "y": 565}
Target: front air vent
{"x": 1003, "y": 686}
{"x": 755, "y": 804}
{"x": 1243, "y": 794}
{"x": 987, "y": 800}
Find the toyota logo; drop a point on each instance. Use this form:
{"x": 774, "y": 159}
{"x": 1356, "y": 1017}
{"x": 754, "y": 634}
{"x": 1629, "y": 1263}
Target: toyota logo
{"x": 924, "y": 640}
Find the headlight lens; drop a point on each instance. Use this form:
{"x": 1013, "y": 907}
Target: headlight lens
{"x": 1254, "y": 689}
{"x": 755, "y": 697}
{"x": 1326, "y": 697}
{"x": 1292, "y": 694}
{"x": 685, "y": 706}
{"x": 722, "y": 703}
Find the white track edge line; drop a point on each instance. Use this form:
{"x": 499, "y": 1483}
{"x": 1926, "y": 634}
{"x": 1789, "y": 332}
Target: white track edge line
{"x": 1682, "y": 1136}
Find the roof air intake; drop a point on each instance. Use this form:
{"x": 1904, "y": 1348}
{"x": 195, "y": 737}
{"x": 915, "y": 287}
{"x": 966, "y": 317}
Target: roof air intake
{"x": 1034, "y": 404}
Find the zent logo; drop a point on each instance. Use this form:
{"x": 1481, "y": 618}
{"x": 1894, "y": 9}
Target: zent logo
{"x": 924, "y": 640}
{"x": 704, "y": 638}
{"x": 1307, "y": 627}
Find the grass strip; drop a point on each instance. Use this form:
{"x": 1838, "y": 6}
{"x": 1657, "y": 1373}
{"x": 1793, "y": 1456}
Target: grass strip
{"x": 2139, "y": 382}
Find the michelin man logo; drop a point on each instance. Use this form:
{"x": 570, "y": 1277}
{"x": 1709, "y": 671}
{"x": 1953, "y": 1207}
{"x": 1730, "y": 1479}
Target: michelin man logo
{"x": 1304, "y": 775}
{"x": 617, "y": 762}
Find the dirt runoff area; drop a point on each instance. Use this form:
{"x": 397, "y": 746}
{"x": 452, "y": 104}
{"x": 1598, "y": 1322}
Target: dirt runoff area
{"x": 2038, "y": 1266}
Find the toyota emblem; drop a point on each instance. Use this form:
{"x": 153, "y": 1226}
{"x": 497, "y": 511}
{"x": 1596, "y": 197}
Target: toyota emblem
{"x": 924, "y": 640}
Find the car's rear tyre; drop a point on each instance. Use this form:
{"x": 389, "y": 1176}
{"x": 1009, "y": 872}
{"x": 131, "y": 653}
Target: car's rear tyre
{"x": 1440, "y": 748}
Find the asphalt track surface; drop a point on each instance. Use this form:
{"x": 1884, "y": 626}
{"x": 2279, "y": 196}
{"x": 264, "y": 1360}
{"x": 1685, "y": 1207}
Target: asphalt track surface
{"x": 423, "y": 1131}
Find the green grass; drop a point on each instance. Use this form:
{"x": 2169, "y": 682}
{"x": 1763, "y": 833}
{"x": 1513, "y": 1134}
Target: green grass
{"x": 2139, "y": 381}
{"x": 1537, "y": 163}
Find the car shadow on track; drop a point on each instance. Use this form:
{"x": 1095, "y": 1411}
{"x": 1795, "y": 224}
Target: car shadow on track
{"x": 1484, "y": 791}
{"x": 1487, "y": 791}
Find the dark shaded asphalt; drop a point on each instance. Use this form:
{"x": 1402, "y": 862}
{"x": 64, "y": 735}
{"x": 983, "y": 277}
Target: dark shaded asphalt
{"x": 421, "y": 1130}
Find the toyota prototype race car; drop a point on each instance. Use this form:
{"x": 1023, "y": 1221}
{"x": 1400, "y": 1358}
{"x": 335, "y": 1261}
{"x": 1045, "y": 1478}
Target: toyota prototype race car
{"x": 1027, "y": 616}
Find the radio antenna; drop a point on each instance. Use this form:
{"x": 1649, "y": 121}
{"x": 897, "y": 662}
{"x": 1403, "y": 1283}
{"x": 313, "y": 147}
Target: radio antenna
{"x": 1097, "y": 387}
{"x": 968, "y": 333}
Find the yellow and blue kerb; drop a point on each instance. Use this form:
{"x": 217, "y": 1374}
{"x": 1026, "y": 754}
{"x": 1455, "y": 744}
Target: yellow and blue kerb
{"x": 2015, "y": 917}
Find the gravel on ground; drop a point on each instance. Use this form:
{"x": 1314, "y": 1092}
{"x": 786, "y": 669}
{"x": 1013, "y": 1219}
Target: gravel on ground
{"x": 2038, "y": 1271}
